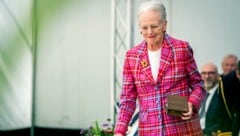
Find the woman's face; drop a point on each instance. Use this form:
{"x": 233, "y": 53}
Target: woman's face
{"x": 152, "y": 27}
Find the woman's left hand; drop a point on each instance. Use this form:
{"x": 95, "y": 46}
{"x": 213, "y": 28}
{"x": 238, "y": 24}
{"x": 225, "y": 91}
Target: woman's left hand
{"x": 187, "y": 115}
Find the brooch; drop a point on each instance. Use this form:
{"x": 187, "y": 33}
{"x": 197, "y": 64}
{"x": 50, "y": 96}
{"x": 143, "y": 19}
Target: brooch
{"x": 144, "y": 63}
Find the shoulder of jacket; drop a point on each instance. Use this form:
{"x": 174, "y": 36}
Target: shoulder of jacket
{"x": 176, "y": 43}
{"x": 136, "y": 50}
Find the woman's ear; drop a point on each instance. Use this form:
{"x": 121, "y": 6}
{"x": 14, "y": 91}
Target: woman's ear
{"x": 165, "y": 26}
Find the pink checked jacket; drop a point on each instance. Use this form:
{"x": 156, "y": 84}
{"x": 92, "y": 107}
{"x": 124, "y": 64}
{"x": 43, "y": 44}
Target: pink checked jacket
{"x": 178, "y": 74}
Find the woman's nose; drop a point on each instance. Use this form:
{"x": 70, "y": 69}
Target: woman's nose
{"x": 149, "y": 30}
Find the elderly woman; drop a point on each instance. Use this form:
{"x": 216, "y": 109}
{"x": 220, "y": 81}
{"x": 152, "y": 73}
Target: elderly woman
{"x": 157, "y": 67}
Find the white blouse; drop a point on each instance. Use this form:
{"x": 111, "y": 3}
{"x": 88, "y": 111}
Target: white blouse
{"x": 154, "y": 58}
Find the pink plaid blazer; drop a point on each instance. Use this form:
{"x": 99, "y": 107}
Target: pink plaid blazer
{"x": 178, "y": 74}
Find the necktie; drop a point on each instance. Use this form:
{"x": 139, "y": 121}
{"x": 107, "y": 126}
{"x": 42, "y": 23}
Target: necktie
{"x": 202, "y": 111}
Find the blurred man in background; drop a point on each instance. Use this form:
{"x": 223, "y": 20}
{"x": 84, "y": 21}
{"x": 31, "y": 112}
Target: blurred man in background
{"x": 213, "y": 115}
{"x": 229, "y": 63}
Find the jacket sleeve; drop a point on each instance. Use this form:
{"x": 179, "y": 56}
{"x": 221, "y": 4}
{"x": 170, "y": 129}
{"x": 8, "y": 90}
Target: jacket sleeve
{"x": 127, "y": 98}
{"x": 194, "y": 79}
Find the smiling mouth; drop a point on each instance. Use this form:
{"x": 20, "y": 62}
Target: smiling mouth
{"x": 151, "y": 36}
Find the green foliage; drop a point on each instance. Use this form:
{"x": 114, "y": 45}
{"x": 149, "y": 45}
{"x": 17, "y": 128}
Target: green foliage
{"x": 95, "y": 130}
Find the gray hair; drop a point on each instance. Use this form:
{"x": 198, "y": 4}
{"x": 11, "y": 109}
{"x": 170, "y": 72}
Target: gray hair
{"x": 230, "y": 56}
{"x": 225, "y": 60}
{"x": 153, "y": 6}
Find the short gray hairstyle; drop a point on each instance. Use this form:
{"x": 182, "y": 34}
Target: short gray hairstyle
{"x": 230, "y": 56}
{"x": 153, "y": 6}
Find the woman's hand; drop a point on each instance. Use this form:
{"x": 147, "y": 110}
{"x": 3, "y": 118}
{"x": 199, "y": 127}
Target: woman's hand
{"x": 187, "y": 115}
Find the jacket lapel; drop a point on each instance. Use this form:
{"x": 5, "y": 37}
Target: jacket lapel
{"x": 144, "y": 62}
{"x": 166, "y": 57}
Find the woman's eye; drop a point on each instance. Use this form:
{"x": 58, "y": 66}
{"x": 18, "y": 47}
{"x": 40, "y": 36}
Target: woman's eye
{"x": 154, "y": 26}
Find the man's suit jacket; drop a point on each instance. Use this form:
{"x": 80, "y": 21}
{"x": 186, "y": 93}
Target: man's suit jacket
{"x": 231, "y": 93}
{"x": 231, "y": 88}
{"x": 216, "y": 115}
